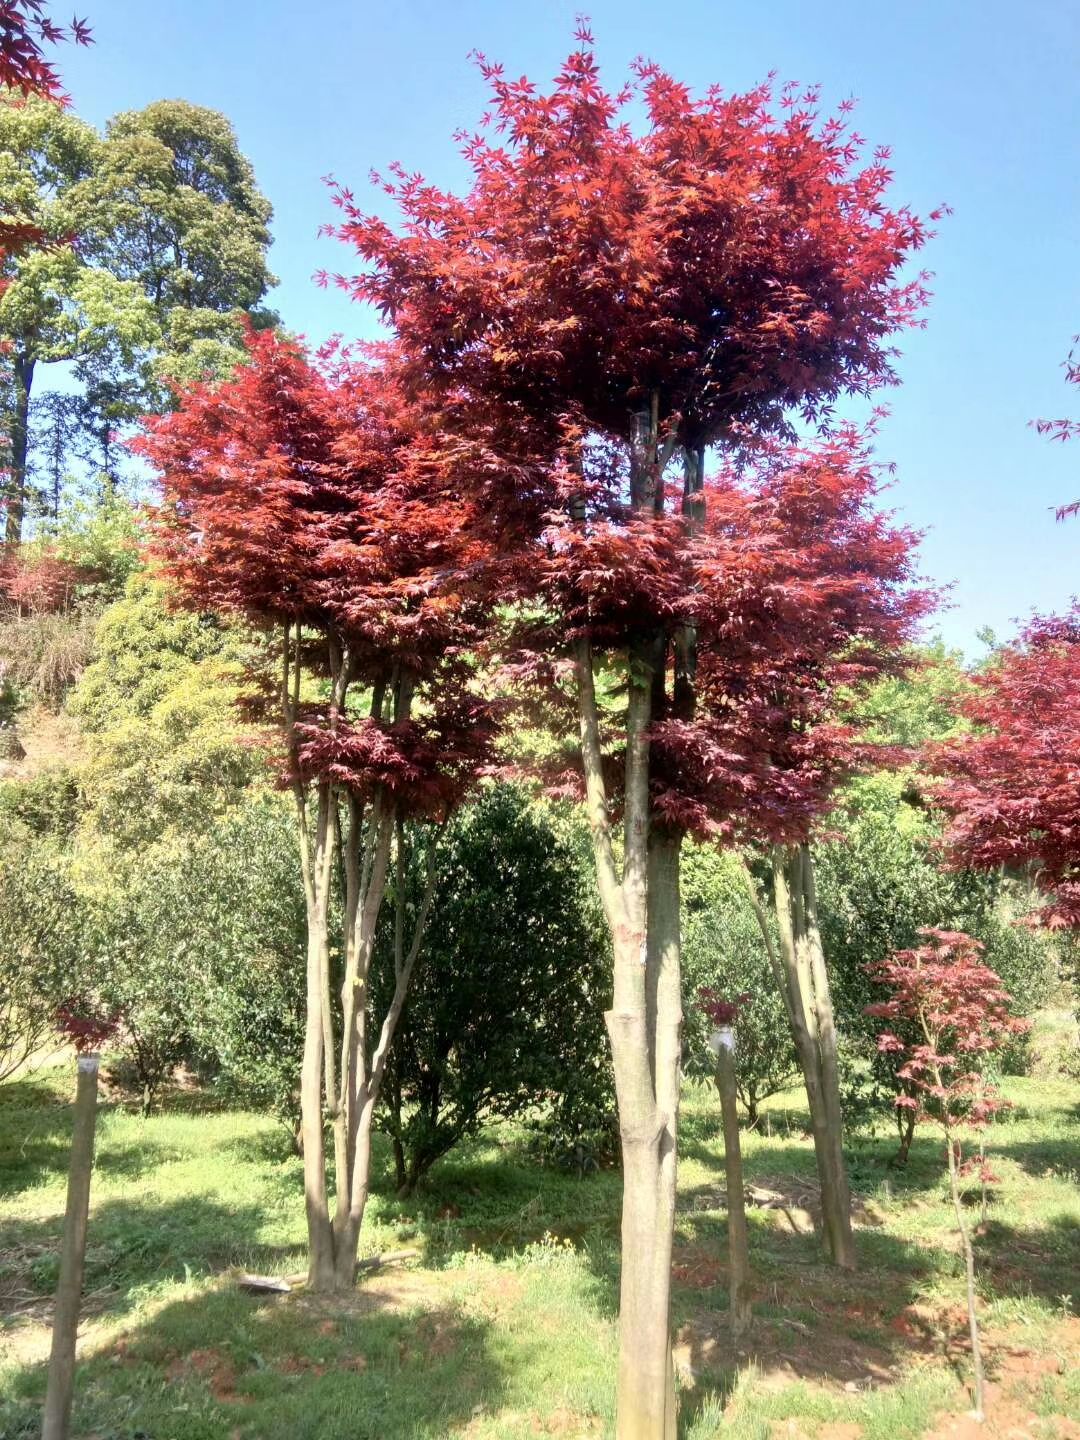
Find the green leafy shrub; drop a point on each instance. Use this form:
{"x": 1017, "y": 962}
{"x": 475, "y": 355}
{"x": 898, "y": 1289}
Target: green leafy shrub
{"x": 45, "y": 804}
{"x": 41, "y": 943}
{"x": 723, "y": 950}
{"x": 505, "y": 1008}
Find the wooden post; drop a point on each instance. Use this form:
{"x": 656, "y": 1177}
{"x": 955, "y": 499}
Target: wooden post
{"x": 61, "y": 1382}
{"x": 722, "y": 1043}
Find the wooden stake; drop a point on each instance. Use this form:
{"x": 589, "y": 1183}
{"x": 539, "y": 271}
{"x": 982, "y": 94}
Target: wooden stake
{"x": 723, "y": 1044}
{"x": 61, "y": 1384}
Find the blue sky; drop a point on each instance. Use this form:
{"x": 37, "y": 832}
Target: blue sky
{"x": 977, "y": 98}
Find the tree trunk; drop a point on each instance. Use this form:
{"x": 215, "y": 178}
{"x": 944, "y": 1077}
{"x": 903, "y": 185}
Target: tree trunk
{"x": 641, "y": 904}
{"x": 320, "y": 1239}
{"x": 312, "y": 1071}
{"x": 738, "y": 1241}
{"x": 906, "y": 1126}
{"x": 837, "y": 1217}
{"x": 644, "y": 1023}
{"x": 19, "y": 441}
{"x": 798, "y": 965}
{"x": 969, "y": 1269}
{"x": 664, "y": 1008}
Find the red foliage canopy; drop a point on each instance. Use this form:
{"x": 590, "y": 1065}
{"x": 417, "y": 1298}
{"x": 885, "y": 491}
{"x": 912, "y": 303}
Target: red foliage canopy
{"x": 734, "y": 259}
{"x": 945, "y": 1007}
{"x": 818, "y": 599}
{"x": 37, "y": 581}
{"x": 796, "y": 589}
{"x": 305, "y": 494}
{"x": 25, "y": 26}
{"x": 1012, "y": 785}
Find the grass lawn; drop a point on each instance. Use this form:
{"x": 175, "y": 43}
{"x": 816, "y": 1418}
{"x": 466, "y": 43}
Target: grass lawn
{"x": 506, "y": 1328}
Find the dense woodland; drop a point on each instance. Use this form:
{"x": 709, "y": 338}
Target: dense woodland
{"x": 454, "y": 757}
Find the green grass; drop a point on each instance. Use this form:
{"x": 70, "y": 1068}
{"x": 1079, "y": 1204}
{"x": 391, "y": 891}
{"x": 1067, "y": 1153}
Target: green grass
{"x": 507, "y": 1327}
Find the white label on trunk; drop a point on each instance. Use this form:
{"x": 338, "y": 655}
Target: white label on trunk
{"x": 722, "y": 1039}
{"x": 89, "y": 1063}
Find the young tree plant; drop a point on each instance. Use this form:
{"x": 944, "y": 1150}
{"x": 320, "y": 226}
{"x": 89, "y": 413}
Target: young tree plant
{"x": 945, "y": 1012}
{"x": 299, "y": 495}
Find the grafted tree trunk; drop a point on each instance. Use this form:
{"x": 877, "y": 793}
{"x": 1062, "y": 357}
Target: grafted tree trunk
{"x": 798, "y": 965}
{"x": 641, "y": 904}
{"x": 644, "y": 1026}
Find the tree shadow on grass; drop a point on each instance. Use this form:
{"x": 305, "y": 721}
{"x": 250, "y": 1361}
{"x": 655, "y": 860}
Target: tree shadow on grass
{"x": 1020, "y": 1262}
{"x": 35, "y": 1135}
{"x": 368, "y": 1366}
{"x": 857, "y": 1331}
{"x": 133, "y": 1246}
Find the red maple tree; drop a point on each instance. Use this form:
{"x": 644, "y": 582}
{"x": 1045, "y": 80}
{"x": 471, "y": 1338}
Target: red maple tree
{"x": 302, "y": 495}
{"x": 1010, "y": 783}
{"x": 38, "y": 581}
{"x": 945, "y": 1011}
{"x": 604, "y": 303}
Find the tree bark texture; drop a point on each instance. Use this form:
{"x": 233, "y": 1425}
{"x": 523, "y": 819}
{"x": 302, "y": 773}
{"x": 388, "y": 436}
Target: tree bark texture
{"x": 644, "y": 1027}
{"x": 798, "y": 964}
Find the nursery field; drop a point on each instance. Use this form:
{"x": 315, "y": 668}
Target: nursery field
{"x": 504, "y": 1326}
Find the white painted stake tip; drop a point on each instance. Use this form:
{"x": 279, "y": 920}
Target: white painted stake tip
{"x": 722, "y": 1039}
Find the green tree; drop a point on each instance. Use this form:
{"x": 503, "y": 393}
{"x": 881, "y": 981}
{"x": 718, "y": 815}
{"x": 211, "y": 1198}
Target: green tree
{"x": 56, "y": 303}
{"x": 503, "y": 1013}
{"x": 167, "y": 751}
{"x": 41, "y": 951}
{"x": 151, "y": 250}
{"x": 179, "y": 215}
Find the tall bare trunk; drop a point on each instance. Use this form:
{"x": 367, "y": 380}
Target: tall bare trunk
{"x": 644, "y": 1027}
{"x": 837, "y": 1217}
{"x": 320, "y": 1239}
{"x": 798, "y": 964}
{"x": 19, "y": 444}
{"x": 641, "y": 903}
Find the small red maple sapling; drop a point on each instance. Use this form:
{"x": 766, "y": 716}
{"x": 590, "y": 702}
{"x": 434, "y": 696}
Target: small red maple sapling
{"x": 946, "y": 1010}
{"x": 85, "y": 1025}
